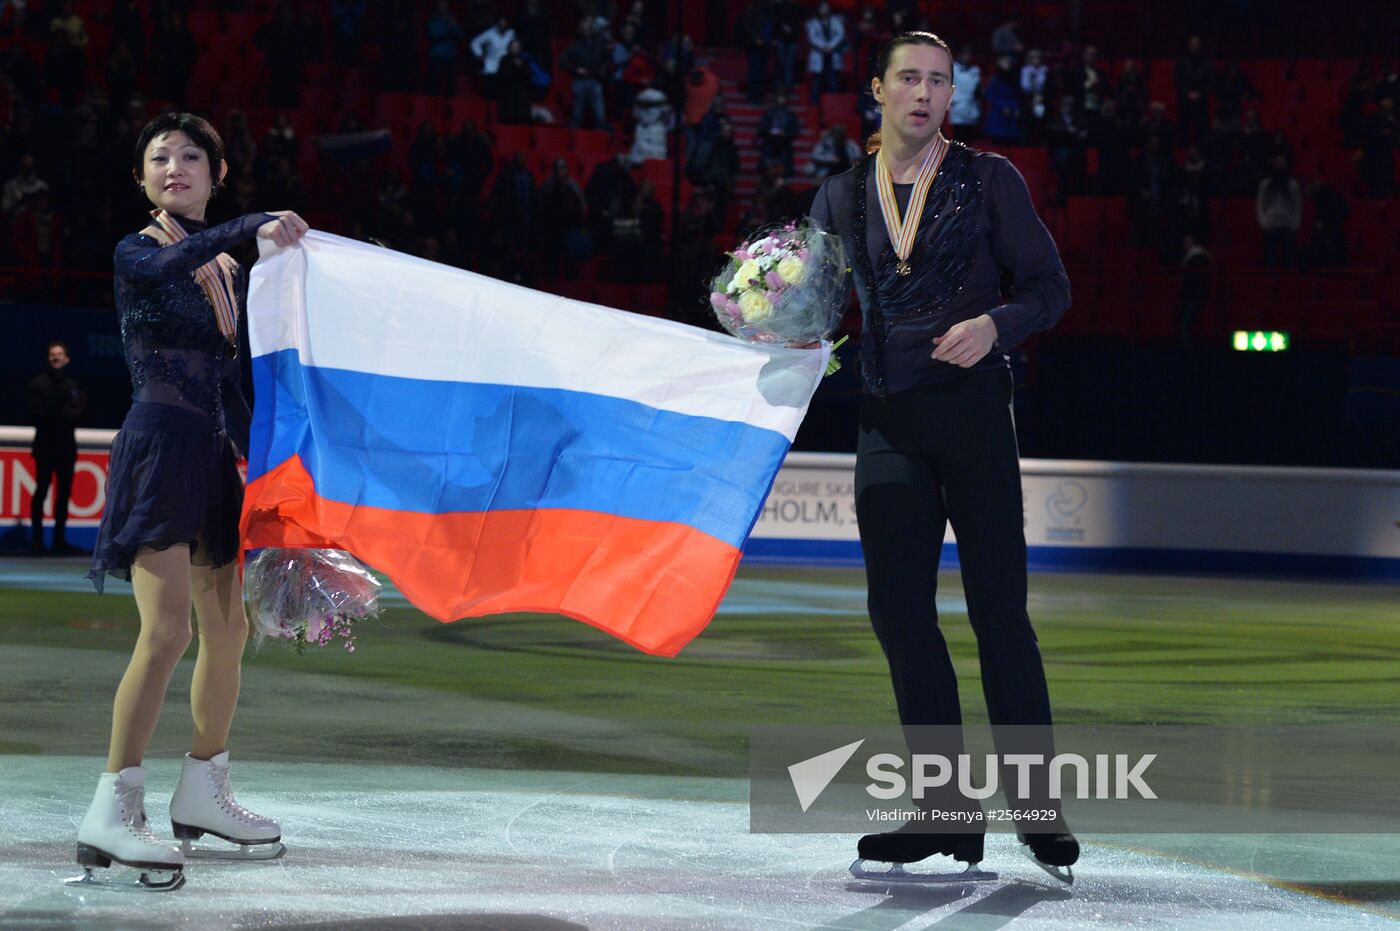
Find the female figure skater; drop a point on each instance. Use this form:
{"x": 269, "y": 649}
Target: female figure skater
{"x": 173, "y": 502}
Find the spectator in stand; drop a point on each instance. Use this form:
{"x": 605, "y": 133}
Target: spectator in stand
{"x": 774, "y": 199}
{"x": 587, "y": 60}
{"x": 1067, "y": 139}
{"x": 759, "y": 27}
{"x": 826, "y": 41}
{"x": 684, "y": 60}
{"x": 66, "y": 61}
{"x": 636, "y": 235}
{"x": 965, "y": 112}
{"x": 1004, "y": 104}
{"x": 38, "y": 234}
{"x": 1035, "y": 77}
{"x": 787, "y": 33}
{"x": 172, "y": 55}
{"x": 347, "y": 25}
{"x": 1006, "y": 39}
{"x": 513, "y": 88}
{"x": 444, "y": 49}
{"x": 870, "y": 37}
{"x": 1115, "y": 140}
{"x": 1088, "y": 84}
{"x": 1131, "y": 94}
{"x": 1151, "y": 201}
{"x": 1193, "y": 77}
{"x": 511, "y": 213}
{"x": 715, "y": 165}
{"x": 1379, "y": 140}
{"x": 1192, "y": 209}
{"x": 281, "y": 140}
{"x": 1195, "y": 287}
{"x": 637, "y": 70}
{"x": 610, "y": 184}
{"x": 696, "y": 258}
{"x": 1279, "y": 209}
{"x": 869, "y": 111}
{"x": 701, "y": 91}
{"x": 777, "y": 131}
{"x": 490, "y": 46}
{"x": 642, "y": 22}
{"x": 560, "y": 212}
{"x": 1327, "y": 246}
{"x": 834, "y": 153}
{"x": 1232, "y": 90}
{"x": 240, "y": 151}
{"x": 707, "y": 130}
{"x": 534, "y": 30}
{"x": 1159, "y": 127}
{"x": 121, "y": 70}
{"x": 284, "y": 56}
{"x": 471, "y": 160}
{"x": 24, "y": 184}
{"x": 654, "y": 119}
{"x": 423, "y": 156}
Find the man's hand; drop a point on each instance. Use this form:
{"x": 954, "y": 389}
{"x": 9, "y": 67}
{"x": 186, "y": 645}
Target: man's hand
{"x": 966, "y": 343}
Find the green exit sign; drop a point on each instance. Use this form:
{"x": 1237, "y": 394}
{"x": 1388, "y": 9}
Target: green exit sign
{"x": 1260, "y": 341}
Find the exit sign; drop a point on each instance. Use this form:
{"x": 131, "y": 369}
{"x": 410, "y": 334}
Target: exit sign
{"x": 1260, "y": 341}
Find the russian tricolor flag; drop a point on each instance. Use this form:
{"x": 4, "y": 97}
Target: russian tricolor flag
{"x": 492, "y": 448}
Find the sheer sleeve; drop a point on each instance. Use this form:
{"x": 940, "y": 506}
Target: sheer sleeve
{"x": 141, "y": 258}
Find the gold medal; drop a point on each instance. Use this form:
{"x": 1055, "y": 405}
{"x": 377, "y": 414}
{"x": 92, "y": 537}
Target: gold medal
{"x": 902, "y": 230}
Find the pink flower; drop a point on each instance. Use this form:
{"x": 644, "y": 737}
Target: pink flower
{"x": 717, "y": 300}
{"x": 743, "y": 255}
{"x": 802, "y": 254}
{"x": 774, "y": 282}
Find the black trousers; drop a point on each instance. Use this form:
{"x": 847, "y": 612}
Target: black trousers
{"x": 51, "y": 463}
{"x": 928, "y": 456}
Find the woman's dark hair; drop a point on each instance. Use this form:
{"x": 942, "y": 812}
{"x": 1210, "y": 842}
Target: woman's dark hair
{"x": 882, "y": 64}
{"x": 199, "y": 131}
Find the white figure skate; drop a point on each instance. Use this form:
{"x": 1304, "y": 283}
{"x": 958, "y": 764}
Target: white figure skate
{"x": 203, "y": 804}
{"x": 115, "y": 830}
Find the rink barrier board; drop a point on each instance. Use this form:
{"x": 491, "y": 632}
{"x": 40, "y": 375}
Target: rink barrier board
{"x": 1245, "y": 520}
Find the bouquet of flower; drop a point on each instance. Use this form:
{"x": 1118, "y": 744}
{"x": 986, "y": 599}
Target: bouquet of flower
{"x": 787, "y": 284}
{"x": 308, "y": 596}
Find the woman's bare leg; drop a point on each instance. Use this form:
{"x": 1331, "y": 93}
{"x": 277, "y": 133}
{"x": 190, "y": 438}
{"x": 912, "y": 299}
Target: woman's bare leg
{"x": 223, "y": 632}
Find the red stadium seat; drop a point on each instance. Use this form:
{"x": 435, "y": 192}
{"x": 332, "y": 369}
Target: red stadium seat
{"x": 511, "y": 139}
{"x": 592, "y": 141}
{"x": 553, "y": 139}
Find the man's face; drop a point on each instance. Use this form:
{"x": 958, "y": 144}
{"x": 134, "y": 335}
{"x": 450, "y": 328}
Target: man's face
{"x": 58, "y": 358}
{"x": 916, "y": 90}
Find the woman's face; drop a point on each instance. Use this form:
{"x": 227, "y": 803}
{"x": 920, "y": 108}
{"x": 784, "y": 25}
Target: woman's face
{"x": 176, "y": 175}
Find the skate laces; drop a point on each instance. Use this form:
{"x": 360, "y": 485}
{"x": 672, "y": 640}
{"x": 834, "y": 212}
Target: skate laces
{"x": 132, "y": 801}
{"x": 224, "y": 793}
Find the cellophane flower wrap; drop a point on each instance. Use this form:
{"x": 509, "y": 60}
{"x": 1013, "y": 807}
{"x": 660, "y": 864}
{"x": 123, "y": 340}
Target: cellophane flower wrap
{"x": 786, "y": 284}
{"x": 308, "y": 596}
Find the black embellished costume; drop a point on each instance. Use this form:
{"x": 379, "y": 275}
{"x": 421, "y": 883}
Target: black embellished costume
{"x": 937, "y": 442}
{"x": 172, "y": 476}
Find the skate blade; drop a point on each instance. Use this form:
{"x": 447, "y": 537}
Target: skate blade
{"x": 896, "y": 873}
{"x": 249, "y": 852}
{"x": 1063, "y": 873}
{"x": 148, "y": 881}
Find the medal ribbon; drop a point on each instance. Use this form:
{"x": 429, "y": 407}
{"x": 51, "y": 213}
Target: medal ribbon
{"x": 214, "y": 276}
{"x": 903, "y": 230}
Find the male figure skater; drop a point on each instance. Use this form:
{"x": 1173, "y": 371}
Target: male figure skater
{"x": 936, "y": 234}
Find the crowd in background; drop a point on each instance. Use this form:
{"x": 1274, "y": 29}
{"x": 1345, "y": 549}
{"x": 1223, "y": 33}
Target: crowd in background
{"x": 65, "y": 144}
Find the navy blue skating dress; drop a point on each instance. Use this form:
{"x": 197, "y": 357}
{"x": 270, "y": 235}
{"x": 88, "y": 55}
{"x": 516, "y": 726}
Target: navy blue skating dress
{"x": 172, "y": 477}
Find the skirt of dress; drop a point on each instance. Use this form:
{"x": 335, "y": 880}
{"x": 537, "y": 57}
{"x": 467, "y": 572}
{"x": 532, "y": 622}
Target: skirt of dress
{"x": 171, "y": 479}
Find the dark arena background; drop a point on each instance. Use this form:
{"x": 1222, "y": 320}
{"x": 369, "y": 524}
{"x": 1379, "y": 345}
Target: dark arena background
{"x": 1210, "y": 442}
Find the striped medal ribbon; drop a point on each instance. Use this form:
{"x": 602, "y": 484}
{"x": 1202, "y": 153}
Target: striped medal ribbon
{"x": 215, "y": 277}
{"x": 903, "y": 230}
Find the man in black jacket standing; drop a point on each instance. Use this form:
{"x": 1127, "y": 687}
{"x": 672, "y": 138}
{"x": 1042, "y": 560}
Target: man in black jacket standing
{"x": 55, "y": 404}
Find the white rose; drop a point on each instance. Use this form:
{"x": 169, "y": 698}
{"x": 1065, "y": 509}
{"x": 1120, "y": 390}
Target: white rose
{"x": 792, "y": 270}
{"x": 755, "y": 306}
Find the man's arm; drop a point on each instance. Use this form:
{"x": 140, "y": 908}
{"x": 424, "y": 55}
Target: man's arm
{"x": 1026, "y": 253}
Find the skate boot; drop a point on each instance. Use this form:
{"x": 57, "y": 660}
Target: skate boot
{"x": 203, "y": 804}
{"x": 910, "y": 844}
{"x": 1053, "y": 853}
{"x": 115, "y": 830}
